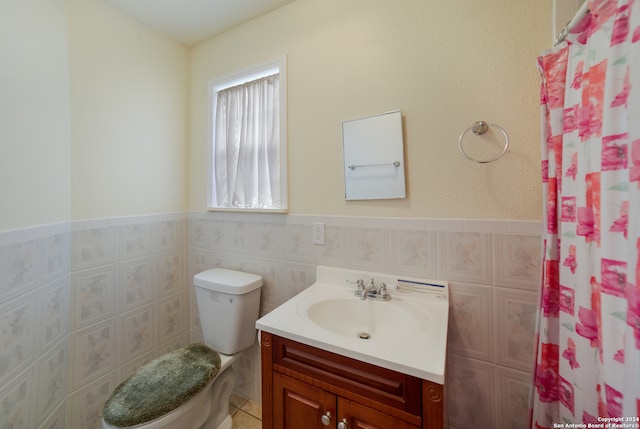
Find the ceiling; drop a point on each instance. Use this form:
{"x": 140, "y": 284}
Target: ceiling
{"x": 193, "y": 21}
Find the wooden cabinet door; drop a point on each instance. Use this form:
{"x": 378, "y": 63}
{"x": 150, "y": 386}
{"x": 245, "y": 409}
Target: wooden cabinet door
{"x": 361, "y": 417}
{"x": 298, "y": 405}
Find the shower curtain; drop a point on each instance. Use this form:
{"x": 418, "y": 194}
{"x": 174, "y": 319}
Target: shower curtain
{"x": 587, "y": 367}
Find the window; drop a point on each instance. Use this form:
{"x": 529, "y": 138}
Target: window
{"x": 248, "y": 140}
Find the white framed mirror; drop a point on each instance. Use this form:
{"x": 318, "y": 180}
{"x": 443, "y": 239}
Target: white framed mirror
{"x": 374, "y": 157}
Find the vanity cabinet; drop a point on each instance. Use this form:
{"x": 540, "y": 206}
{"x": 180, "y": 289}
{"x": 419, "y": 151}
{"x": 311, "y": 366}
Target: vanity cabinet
{"x": 305, "y": 387}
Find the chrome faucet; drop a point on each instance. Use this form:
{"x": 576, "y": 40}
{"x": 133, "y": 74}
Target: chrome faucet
{"x": 371, "y": 292}
{"x": 372, "y": 288}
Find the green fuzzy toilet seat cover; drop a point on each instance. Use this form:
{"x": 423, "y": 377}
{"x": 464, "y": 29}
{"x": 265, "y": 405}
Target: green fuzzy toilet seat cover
{"x": 161, "y": 386}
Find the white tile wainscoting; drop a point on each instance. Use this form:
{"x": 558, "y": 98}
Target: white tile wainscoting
{"x": 84, "y": 303}
{"x": 34, "y": 326}
{"x": 493, "y": 267}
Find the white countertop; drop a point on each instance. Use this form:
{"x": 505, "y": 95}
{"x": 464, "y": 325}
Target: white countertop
{"x": 414, "y": 345}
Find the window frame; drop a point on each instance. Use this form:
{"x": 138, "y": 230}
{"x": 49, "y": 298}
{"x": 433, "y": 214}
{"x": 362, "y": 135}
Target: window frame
{"x": 277, "y": 65}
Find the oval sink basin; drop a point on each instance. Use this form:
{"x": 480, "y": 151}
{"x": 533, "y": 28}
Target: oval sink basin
{"x": 366, "y": 319}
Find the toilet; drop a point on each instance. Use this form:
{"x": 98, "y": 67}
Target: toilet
{"x": 229, "y": 305}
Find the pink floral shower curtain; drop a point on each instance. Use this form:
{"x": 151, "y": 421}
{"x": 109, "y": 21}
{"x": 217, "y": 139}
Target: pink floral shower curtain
{"x": 588, "y": 337}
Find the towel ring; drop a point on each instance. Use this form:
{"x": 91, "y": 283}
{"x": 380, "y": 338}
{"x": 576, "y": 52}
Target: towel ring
{"x": 478, "y": 129}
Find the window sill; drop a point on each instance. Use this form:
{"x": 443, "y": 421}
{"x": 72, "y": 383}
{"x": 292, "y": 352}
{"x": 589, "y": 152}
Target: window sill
{"x": 232, "y": 210}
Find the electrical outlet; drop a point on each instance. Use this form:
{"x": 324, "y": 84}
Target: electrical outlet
{"x": 318, "y": 233}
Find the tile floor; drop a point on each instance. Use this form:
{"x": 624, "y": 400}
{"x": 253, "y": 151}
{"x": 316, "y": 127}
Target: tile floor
{"x": 246, "y": 414}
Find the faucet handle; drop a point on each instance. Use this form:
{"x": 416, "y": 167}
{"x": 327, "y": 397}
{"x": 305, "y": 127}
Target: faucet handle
{"x": 383, "y": 289}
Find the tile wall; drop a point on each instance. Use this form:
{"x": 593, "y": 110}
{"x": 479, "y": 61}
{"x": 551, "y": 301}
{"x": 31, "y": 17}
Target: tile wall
{"x": 83, "y": 304}
{"x": 493, "y": 268}
{"x": 34, "y": 326}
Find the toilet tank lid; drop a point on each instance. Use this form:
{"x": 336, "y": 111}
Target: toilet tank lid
{"x": 227, "y": 281}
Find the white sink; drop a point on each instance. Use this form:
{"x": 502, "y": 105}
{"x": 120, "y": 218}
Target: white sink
{"x": 406, "y": 334}
{"x": 366, "y": 319}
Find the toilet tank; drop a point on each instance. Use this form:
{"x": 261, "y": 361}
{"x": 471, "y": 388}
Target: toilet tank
{"x": 229, "y": 305}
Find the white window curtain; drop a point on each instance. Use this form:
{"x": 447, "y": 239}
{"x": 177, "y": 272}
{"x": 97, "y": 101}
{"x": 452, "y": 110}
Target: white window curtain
{"x": 247, "y": 145}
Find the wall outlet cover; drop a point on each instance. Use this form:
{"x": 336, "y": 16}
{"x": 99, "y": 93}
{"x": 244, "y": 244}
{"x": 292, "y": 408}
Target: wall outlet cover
{"x": 318, "y": 233}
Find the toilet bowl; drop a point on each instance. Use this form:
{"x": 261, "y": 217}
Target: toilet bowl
{"x": 228, "y": 304}
{"x": 209, "y": 409}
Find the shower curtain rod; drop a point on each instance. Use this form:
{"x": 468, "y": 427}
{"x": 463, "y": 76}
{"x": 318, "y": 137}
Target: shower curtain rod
{"x": 584, "y": 9}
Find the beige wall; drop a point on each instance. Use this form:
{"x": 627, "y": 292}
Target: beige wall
{"x": 34, "y": 114}
{"x": 129, "y": 107}
{"x": 445, "y": 64}
{"x": 92, "y": 115}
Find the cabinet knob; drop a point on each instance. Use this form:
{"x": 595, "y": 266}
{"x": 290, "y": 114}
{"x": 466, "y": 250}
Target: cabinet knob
{"x": 342, "y": 424}
{"x": 326, "y": 418}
